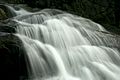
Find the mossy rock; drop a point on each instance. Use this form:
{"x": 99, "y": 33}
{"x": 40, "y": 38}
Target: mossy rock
{"x": 6, "y": 12}
{"x": 3, "y": 15}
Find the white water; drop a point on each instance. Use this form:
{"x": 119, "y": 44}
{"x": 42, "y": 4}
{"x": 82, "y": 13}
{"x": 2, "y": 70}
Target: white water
{"x": 62, "y": 46}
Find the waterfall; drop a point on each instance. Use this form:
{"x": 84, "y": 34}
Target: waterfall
{"x": 63, "y": 46}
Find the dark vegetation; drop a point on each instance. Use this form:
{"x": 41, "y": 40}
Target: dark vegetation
{"x": 104, "y": 12}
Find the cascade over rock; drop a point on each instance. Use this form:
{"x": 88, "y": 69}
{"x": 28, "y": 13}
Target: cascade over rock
{"x": 61, "y": 46}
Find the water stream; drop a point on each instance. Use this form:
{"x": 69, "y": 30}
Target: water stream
{"x": 63, "y": 46}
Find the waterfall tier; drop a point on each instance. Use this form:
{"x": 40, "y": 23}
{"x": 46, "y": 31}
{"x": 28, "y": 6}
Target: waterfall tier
{"x": 62, "y": 46}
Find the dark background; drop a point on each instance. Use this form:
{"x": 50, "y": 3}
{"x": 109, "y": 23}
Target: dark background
{"x": 104, "y": 12}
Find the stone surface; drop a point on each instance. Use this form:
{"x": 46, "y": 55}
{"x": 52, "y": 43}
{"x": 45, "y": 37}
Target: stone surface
{"x": 12, "y": 57}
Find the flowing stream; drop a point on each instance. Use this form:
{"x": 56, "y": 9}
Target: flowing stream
{"x": 63, "y": 46}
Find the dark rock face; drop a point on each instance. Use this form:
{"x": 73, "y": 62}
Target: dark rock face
{"x": 7, "y": 28}
{"x": 7, "y": 25}
{"x": 2, "y": 14}
{"x": 6, "y": 12}
{"x": 12, "y": 53}
{"x": 12, "y": 58}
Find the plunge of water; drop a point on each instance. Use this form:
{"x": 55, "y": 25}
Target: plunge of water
{"x": 62, "y": 46}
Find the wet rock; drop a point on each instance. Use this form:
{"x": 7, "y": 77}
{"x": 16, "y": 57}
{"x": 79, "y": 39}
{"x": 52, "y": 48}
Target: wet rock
{"x": 6, "y": 12}
{"x": 12, "y": 57}
{"x": 3, "y": 15}
{"x": 7, "y": 28}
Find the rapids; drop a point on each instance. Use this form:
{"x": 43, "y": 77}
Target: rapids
{"x": 63, "y": 46}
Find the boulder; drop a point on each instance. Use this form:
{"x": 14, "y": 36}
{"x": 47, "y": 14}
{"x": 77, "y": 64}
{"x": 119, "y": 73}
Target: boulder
{"x": 6, "y": 12}
{"x": 7, "y": 28}
{"x": 12, "y": 58}
{"x": 3, "y": 15}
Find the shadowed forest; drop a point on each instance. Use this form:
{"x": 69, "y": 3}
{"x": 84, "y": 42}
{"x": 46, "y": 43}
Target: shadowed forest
{"x": 104, "y": 12}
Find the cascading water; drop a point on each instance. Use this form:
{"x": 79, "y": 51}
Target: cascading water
{"x": 62, "y": 46}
